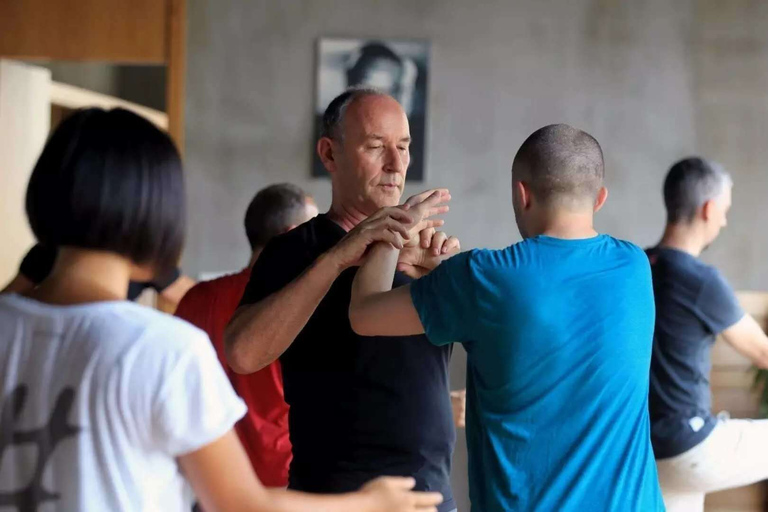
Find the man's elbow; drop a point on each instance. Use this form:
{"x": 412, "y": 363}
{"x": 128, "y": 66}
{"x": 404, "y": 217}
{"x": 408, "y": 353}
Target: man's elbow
{"x": 237, "y": 359}
{"x": 358, "y": 321}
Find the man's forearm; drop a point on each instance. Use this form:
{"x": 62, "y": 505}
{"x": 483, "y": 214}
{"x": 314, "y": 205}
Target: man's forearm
{"x": 259, "y": 333}
{"x": 376, "y": 274}
{"x": 289, "y": 501}
{"x": 374, "y": 277}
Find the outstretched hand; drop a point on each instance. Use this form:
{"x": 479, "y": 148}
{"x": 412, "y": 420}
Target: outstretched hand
{"x": 422, "y": 207}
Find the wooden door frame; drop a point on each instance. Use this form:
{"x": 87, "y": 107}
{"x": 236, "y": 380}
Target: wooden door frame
{"x": 118, "y": 31}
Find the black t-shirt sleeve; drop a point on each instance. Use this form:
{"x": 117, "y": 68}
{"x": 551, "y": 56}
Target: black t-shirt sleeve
{"x": 135, "y": 288}
{"x": 38, "y": 263}
{"x": 281, "y": 261}
{"x": 717, "y": 303}
{"x": 164, "y": 281}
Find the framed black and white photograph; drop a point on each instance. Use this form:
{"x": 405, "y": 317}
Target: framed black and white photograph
{"x": 398, "y": 67}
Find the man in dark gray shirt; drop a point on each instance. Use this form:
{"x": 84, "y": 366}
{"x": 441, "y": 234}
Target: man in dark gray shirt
{"x": 696, "y": 452}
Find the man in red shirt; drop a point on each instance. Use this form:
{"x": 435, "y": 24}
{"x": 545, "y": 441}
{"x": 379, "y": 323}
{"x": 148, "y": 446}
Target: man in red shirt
{"x": 209, "y": 305}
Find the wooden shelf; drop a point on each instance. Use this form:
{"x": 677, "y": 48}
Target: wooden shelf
{"x": 71, "y": 97}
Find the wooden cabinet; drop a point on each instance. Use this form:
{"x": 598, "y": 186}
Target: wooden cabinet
{"x": 114, "y": 31}
{"x": 149, "y": 32}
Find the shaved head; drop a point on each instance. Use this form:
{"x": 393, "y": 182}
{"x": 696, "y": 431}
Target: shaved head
{"x": 563, "y": 166}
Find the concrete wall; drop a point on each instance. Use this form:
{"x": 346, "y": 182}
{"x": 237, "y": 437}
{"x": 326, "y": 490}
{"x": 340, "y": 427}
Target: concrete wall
{"x": 653, "y": 80}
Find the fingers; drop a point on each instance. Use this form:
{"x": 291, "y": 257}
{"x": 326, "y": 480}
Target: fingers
{"x": 437, "y": 210}
{"x": 431, "y": 204}
{"x": 427, "y": 499}
{"x": 395, "y": 226}
{"x": 399, "y": 482}
{"x": 431, "y": 223}
{"x": 425, "y": 237}
{"x": 434, "y": 203}
{"x": 459, "y": 406}
{"x": 438, "y": 240}
{"x": 394, "y": 212}
{"x": 452, "y": 245}
{"x": 419, "y": 198}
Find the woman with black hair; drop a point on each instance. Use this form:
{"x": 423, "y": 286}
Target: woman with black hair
{"x": 105, "y": 404}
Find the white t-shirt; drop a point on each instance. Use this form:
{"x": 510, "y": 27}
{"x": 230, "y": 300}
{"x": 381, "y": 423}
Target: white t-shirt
{"x": 98, "y": 400}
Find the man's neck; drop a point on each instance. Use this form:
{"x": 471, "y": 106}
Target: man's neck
{"x": 346, "y": 217}
{"x": 683, "y": 238}
{"x": 566, "y": 225}
{"x": 255, "y": 256}
{"x": 81, "y": 276}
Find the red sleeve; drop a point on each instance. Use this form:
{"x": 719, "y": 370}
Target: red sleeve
{"x": 188, "y": 308}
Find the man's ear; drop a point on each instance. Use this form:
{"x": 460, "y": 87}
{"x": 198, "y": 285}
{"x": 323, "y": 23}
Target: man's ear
{"x": 708, "y": 209}
{"x": 523, "y": 193}
{"x": 602, "y": 196}
{"x": 326, "y": 152}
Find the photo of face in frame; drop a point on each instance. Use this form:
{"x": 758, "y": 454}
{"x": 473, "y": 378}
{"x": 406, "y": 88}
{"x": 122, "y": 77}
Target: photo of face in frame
{"x": 397, "y": 67}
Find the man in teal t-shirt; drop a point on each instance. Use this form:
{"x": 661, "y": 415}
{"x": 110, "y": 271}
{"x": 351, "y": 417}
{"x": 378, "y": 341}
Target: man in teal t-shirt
{"x": 558, "y": 331}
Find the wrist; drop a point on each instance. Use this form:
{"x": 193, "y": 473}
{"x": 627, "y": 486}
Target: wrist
{"x": 362, "y": 500}
{"x": 384, "y": 248}
{"x": 330, "y": 263}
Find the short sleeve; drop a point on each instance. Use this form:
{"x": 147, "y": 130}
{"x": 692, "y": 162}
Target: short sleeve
{"x": 38, "y": 263}
{"x": 717, "y": 304}
{"x": 444, "y": 300}
{"x": 196, "y": 404}
{"x": 278, "y": 264}
{"x": 190, "y": 305}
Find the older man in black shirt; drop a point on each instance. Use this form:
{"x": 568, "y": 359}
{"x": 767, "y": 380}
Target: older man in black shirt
{"x": 359, "y": 407}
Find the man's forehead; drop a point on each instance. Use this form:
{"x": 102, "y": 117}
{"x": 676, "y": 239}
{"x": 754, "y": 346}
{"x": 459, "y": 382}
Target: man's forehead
{"x": 378, "y": 116}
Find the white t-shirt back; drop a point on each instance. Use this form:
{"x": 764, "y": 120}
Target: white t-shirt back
{"x": 98, "y": 400}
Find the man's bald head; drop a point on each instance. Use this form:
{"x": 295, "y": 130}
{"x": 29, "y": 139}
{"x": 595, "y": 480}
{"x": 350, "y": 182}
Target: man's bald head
{"x": 563, "y": 166}
{"x": 336, "y": 112}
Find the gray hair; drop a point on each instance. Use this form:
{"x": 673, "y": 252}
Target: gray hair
{"x": 333, "y": 118}
{"x": 690, "y": 183}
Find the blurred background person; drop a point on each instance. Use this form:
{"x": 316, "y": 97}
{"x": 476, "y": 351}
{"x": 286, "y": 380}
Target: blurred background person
{"x": 210, "y": 305}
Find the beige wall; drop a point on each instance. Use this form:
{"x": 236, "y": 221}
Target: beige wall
{"x": 25, "y": 116}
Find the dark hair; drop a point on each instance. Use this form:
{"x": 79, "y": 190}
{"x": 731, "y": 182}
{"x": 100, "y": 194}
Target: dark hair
{"x": 333, "y": 118}
{"x": 111, "y": 181}
{"x": 689, "y": 184}
{"x": 560, "y": 162}
{"x": 370, "y": 53}
{"x": 273, "y": 211}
